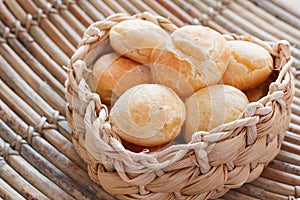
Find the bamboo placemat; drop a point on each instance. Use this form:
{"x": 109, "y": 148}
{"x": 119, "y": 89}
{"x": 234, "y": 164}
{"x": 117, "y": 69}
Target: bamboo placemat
{"x": 37, "y": 38}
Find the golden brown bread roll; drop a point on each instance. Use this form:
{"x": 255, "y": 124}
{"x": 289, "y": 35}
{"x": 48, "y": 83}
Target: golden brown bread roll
{"x": 114, "y": 74}
{"x": 195, "y": 57}
{"x": 136, "y": 39}
{"x": 249, "y": 65}
{"x": 148, "y": 115}
{"x": 212, "y": 106}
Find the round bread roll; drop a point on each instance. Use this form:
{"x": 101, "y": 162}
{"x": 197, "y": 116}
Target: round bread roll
{"x": 148, "y": 115}
{"x": 212, "y": 106}
{"x": 249, "y": 65}
{"x": 114, "y": 74}
{"x": 136, "y": 39}
{"x": 195, "y": 57}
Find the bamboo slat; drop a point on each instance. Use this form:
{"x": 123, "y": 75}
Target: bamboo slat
{"x": 164, "y": 12}
{"x": 73, "y": 189}
{"x": 36, "y": 102}
{"x": 287, "y": 7}
{"x": 35, "y": 64}
{"x": 33, "y": 138}
{"x": 190, "y": 10}
{"x": 289, "y": 157}
{"x": 60, "y": 170}
{"x": 37, "y": 52}
{"x": 57, "y": 121}
{"x": 90, "y": 10}
{"x": 20, "y": 184}
{"x": 295, "y": 119}
{"x": 48, "y": 131}
{"x": 279, "y": 12}
{"x": 128, "y": 6}
{"x": 274, "y": 187}
{"x": 285, "y": 167}
{"x": 77, "y": 12}
{"x": 295, "y": 128}
{"x": 172, "y": 7}
{"x": 236, "y": 195}
{"x": 68, "y": 16}
{"x": 297, "y": 84}
{"x": 279, "y": 176}
{"x": 296, "y": 101}
{"x": 37, "y": 33}
{"x": 265, "y": 15}
{"x": 198, "y": 15}
{"x": 11, "y": 64}
{"x": 115, "y": 6}
{"x": 142, "y": 6}
{"x": 49, "y": 46}
{"x": 260, "y": 193}
{"x": 297, "y": 90}
{"x": 292, "y": 138}
{"x": 245, "y": 24}
{"x": 58, "y": 21}
{"x": 31, "y": 174}
{"x": 263, "y": 24}
{"x": 219, "y": 19}
{"x": 102, "y": 7}
{"x": 290, "y": 147}
{"x": 296, "y": 109}
{"x": 45, "y": 24}
{"x": 7, "y": 192}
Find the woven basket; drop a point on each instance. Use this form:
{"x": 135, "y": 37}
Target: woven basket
{"x": 206, "y": 168}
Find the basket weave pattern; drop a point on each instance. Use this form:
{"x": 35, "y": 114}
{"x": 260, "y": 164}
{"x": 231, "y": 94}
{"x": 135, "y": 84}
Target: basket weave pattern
{"x": 211, "y": 164}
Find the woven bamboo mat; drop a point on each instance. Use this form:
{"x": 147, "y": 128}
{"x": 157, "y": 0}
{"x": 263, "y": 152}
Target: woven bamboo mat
{"x": 37, "y": 38}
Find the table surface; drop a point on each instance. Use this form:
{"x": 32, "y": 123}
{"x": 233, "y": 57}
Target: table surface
{"x": 37, "y": 38}
{"x": 293, "y": 3}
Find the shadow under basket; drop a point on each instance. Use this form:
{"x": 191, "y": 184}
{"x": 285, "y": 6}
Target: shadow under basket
{"x": 211, "y": 164}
